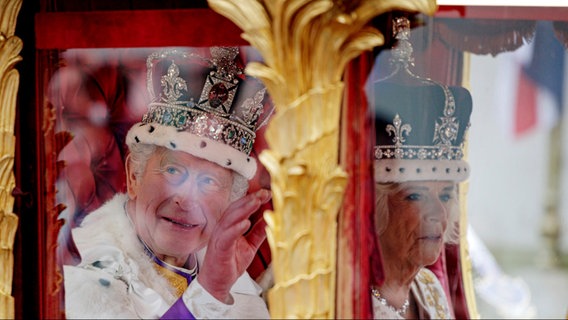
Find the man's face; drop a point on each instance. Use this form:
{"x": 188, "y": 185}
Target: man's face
{"x": 178, "y": 200}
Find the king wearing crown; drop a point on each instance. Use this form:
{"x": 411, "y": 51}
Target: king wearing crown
{"x": 174, "y": 245}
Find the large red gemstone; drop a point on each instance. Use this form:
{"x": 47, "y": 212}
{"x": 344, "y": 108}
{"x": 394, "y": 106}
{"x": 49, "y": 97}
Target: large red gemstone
{"x": 218, "y": 94}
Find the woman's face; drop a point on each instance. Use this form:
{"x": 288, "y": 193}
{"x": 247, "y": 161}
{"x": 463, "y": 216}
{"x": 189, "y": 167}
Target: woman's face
{"x": 418, "y": 218}
{"x": 178, "y": 200}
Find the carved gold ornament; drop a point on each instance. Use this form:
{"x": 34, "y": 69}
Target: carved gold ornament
{"x": 10, "y": 47}
{"x": 306, "y": 45}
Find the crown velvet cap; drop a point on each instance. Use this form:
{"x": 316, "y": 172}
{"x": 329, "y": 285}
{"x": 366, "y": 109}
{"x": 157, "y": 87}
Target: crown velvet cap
{"x": 420, "y": 132}
{"x": 204, "y": 107}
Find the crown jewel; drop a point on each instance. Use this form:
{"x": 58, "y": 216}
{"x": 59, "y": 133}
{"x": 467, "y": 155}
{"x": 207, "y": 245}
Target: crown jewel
{"x": 446, "y": 127}
{"x": 420, "y": 124}
{"x": 445, "y": 134}
{"x": 214, "y": 115}
{"x": 172, "y": 84}
{"x": 402, "y": 53}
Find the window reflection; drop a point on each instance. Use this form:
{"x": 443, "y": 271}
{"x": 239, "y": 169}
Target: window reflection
{"x": 515, "y": 73}
{"x": 420, "y": 127}
{"x": 515, "y": 203}
{"x": 98, "y": 94}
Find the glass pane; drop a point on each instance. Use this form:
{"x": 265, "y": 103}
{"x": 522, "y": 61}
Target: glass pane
{"x": 421, "y": 121}
{"x": 200, "y": 112}
{"x": 514, "y": 73}
{"x": 518, "y": 185}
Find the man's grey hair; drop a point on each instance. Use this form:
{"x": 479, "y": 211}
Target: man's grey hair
{"x": 141, "y": 152}
{"x": 382, "y": 212}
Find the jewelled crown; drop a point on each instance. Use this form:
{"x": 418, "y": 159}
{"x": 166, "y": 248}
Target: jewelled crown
{"x": 220, "y": 124}
{"x": 420, "y": 124}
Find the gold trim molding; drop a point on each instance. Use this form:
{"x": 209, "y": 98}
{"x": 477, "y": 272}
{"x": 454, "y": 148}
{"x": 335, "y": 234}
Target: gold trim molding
{"x": 10, "y": 47}
{"x": 465, "y": 259}
{"x": 306, "y": 45}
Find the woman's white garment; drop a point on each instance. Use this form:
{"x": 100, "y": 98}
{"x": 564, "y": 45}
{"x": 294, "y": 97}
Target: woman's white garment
{"x": 117, "y": 279}
{"x": 429, "y": 295}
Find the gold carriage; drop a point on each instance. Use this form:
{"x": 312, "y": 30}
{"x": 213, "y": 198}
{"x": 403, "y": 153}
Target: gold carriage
{"x": 316, "y": 59}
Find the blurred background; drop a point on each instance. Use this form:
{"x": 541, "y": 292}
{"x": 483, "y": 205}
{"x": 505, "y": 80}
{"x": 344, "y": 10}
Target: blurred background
{"x": 518, "y": 190}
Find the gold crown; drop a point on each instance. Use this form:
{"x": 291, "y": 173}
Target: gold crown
{"x": 214, "y": 115}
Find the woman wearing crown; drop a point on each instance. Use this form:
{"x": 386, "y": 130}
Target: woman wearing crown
{"x": 418, "y": 162}
{"x": 420, "y": 130}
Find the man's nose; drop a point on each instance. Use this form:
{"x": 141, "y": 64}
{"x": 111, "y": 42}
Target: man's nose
{"x": 186, "y": 194}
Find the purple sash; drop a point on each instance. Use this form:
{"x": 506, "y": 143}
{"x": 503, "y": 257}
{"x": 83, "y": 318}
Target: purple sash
{"x": 178, "y": 310}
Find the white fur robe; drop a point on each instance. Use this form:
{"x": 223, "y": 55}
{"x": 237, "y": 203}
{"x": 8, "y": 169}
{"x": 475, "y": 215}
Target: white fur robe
{"x": 116, "y": 278}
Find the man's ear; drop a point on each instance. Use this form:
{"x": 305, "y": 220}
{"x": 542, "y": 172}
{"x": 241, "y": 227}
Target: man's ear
{"x": 132, "y": 181}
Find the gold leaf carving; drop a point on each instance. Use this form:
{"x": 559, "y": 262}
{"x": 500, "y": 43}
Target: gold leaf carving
{"x": 306, "y": 46}
{"x": 10, "y": 47}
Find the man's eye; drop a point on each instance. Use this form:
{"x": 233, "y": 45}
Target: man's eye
{"x": 208, "y": 181}
{"x": 209, "y": 184}
{"x": 174, "y": 174}
{"x": 172, "y": 170}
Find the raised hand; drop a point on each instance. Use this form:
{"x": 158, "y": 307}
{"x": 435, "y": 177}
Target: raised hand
{"x": 230, "y": 251}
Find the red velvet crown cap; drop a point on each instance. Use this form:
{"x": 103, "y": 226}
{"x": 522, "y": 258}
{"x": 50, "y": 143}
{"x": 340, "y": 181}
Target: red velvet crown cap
{"x": 203, "y": 105}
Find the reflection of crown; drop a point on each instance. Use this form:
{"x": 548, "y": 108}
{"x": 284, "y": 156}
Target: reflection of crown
{"x": 420, "y": 124}
{"x": 218, "y": 115}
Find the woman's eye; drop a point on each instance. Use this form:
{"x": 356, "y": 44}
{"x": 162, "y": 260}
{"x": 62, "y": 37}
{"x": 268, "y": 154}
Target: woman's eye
{"x": 445, "y": 197}
{"x": 414, "y": 196}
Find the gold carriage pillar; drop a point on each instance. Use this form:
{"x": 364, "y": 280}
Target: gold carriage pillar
{"x": 10, "y": 47}
{"x": 306, "y": 45}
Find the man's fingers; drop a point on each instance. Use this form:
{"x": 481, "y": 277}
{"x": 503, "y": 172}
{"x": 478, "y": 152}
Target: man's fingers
{"x": 235, "y": 222}
{"x": 244, "y": 207}
{"x": 228, "y": 236}
{"x": 264, "y": 195}
{"x": 257, "y": 234}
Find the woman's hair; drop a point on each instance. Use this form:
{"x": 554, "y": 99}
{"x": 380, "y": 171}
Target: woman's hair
{"x": 141, "y": 152}
{"x": 382, "y": 212}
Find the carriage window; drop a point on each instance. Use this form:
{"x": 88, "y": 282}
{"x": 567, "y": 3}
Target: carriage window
{"x": 469, "y": 141}
{"x": 504, "y": 175}
{"x": 152, "y": 125}
{"x": 517, "y": 150}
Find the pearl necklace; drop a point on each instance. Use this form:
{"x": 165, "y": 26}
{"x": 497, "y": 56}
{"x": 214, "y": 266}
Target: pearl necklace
{"x": 385, "y": 303}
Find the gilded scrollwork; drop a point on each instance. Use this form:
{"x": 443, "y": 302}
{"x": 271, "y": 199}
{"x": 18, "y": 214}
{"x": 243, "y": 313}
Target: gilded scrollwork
{"x": 306, "y": 46}
{"x": 10, "y": 47}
